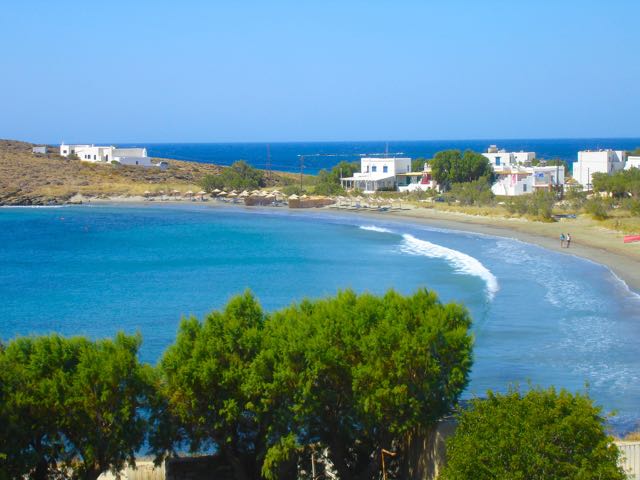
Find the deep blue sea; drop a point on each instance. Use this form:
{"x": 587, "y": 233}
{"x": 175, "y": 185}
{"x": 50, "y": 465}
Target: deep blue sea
{"x": 318, "y": 155}
{"x": 539, "y": 316}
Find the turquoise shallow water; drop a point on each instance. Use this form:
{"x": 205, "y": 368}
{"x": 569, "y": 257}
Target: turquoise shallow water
{"x": 539, "y": 316}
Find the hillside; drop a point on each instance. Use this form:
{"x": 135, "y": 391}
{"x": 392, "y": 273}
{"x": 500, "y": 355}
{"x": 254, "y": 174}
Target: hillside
{"x": 28, "y": 179}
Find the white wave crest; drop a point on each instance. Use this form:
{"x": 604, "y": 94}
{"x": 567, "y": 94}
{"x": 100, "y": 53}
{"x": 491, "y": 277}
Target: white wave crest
{"x": 374, "y": 228}
{"x": 461, "y": 262}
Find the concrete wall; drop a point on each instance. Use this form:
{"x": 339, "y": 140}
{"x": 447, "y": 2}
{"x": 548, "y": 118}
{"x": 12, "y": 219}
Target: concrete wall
{"x": 631, "y": 458}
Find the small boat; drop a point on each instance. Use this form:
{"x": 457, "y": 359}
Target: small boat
{"x": 631, "y": 238}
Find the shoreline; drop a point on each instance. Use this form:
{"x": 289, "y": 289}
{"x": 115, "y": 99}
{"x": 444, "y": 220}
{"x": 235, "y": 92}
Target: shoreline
{"x": 600, "y": 246}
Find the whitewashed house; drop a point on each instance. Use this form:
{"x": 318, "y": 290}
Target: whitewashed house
{"x": 109, "y": 154}
{"x": 522, "y": 180}
{"x": 377, "y": 173}
{"x": 502, "y": 159}
{"x": 632, "y": 162}
{"x": 416, "y": 181}
{"x": 597, "y": 161}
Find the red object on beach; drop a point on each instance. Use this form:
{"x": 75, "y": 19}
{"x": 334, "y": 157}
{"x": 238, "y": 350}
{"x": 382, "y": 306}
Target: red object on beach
{"x": 631, "y": 238}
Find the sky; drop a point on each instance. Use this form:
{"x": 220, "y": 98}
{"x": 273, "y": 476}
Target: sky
{"x": 243, "y": 71}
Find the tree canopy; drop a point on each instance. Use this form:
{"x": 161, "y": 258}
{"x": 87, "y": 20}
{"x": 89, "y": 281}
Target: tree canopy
{"x": 620, "y": 184}
{"x": 239, "y": 176}
{"x": 452, "y": 166}
{"x": 540, "y": 434}
{"x": 328, "y": 181}
{"x": 358, "y": 373}
{"x": 71, "y": 402}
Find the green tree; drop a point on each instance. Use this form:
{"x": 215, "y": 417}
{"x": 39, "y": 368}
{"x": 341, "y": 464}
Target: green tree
{"x": 452, "y": 166}
{"x": 328, "y": 181}
{"x": 104, "y": 406}
{"x": 33, "y": 368}
{"x": 204, "y": 380}
{"x": 72, "y": 403}
{"x": 540, "y": 434}
{"x": 239, "y": 176}
{"x": 359, "y": 373}
{"x": 476, "y": 192}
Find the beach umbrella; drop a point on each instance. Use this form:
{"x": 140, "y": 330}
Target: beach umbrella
{"x": 293, "y": 197}
{"x": 201, "y": 192}
{"x": 304, "y": 196}
{"x": 232, "y": 195}
{"x": 189, "y": 192}
{"x": 175, "y": 192}
{"x": 234, "y": 191}
{"x": 147, "y": 193}
{"x": 222, "y": 194}
{"x": 216, "y": 191}
{"x": 244, "y": 194}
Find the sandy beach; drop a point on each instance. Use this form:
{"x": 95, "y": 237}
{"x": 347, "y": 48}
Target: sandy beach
{"x": 588, "y": 241}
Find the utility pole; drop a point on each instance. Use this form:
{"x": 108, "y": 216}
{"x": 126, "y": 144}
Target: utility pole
{"x": 268, "y": 163}
{"x": 301, "y": 170}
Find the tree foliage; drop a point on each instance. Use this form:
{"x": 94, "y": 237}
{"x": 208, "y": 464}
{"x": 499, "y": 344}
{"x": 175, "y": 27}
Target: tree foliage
{"x": 239, "y": 176}
{"x": 71, "y": 403}
{"x": 205, "y": 381}
{"x": 621, "y": 184}
{"x": 328, "y": 181}
{"x": 476, "y": 192}
{"x": 539, "y": 204}
{"x": 452, "y": 166}
{"x": 358, "y": 373}
{"x": 540, "y": 434}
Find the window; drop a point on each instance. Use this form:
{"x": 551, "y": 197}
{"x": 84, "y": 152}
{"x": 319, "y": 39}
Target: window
{"x": 385, "y": 169}
{"x": 94, "y": 157}
{"x": 524, "y": 187}
{"x": 374, "y": 168}
{"x": 497, "y": 161}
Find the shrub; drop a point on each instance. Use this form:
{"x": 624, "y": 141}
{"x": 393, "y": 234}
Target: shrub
{"x": 598, "y": 208}
{"x": 538, "y": 435}
{"x": 477, "y": 192}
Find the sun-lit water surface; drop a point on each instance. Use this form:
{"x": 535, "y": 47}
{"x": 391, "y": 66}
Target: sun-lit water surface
{"x": 539, "y": 316}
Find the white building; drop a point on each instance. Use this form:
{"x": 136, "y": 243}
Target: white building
{"x": 597, "y": 161}
{"x": 416, "y": 181}
{"x": 40, "y": 150}
{"x": 377, "y": 173}
{"x": 108, "y": 154}
{"x": 632, "y": 162}
{"x": 501, "y": 158}
{"x": 522, "y": 180}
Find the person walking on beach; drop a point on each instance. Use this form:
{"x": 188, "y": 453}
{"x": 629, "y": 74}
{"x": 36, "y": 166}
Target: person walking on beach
{"x": 568, "y": 239}
{"x": 561, "y": 240}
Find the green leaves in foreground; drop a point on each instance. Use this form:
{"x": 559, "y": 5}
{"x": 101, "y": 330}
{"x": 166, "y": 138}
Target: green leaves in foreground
{"x": 352, "y": 373}
{"x": 71, "y": 402}
{"x": 541, "y": 434}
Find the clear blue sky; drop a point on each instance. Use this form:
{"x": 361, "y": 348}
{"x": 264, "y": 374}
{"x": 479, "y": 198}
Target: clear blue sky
{"x": 208, "y": 71}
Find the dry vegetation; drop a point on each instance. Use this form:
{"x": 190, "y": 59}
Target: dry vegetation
{"x": 28, "y": 179}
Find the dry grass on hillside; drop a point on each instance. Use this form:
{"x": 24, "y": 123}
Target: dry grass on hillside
{"x": 27, "y": 179}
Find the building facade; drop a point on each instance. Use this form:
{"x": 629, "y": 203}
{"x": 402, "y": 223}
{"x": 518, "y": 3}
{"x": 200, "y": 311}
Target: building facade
{"x": 597, "y": 161}
{"x": 522, "y": 180}
{"x": 377, "y": 173}
{"x": 502, "y": 159}
{"x": 108, "y": 154}
{"x": 632, "y": 162}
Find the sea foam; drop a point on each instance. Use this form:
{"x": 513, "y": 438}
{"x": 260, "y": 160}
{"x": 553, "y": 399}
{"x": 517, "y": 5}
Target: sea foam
{"x": 461, "y": 262}
{"x": 374, "y": 228}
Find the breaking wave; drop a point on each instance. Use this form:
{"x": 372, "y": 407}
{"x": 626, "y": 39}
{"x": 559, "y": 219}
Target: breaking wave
{"x": 373, "y": 228}
{"x": 461, "y": 262}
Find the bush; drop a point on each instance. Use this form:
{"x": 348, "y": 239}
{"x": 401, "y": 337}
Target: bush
{"x": 598, "y": 208}
{"x": 538, "y": 435}
{"x": 239, "y": 176}
{"x": 477, "y": 192}
{"x": 538, "y": 204}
